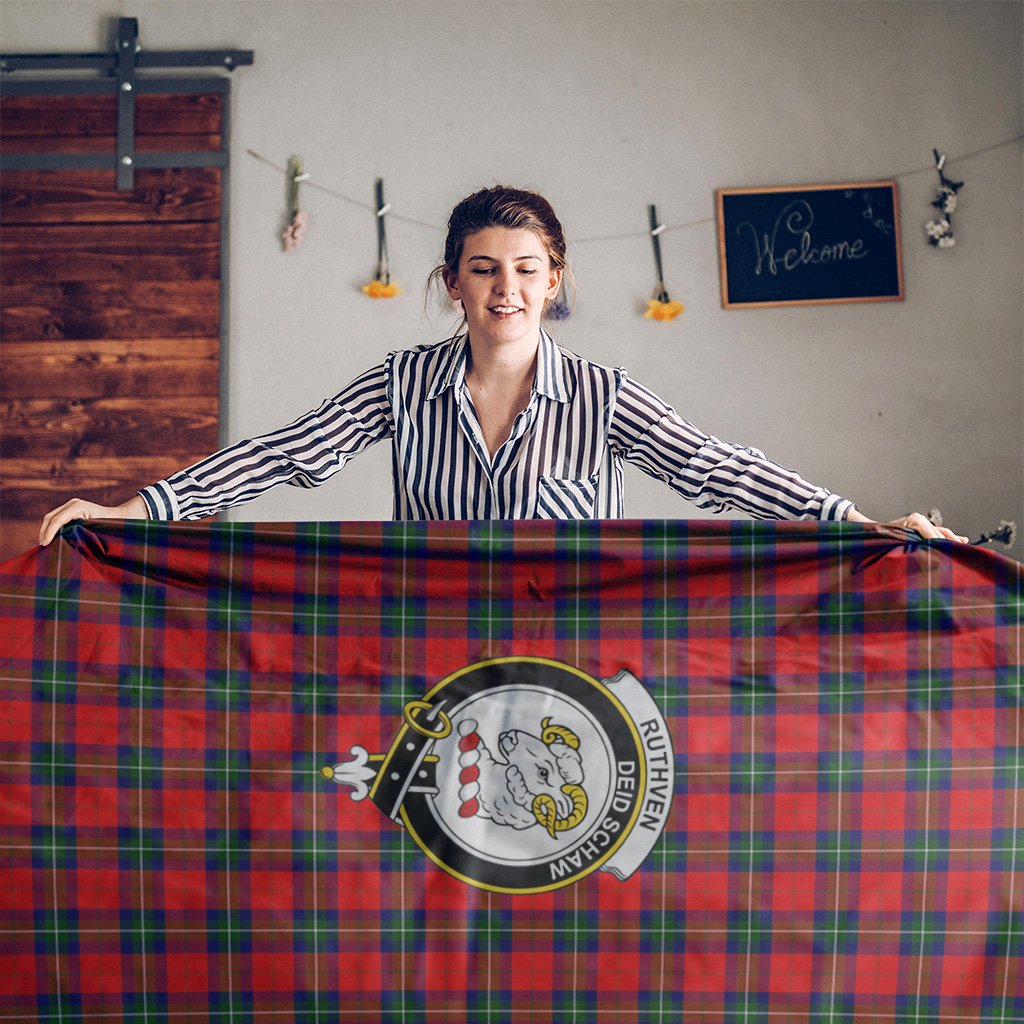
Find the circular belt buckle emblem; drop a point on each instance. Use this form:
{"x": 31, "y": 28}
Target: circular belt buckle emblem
{"x": 522, "y": 774}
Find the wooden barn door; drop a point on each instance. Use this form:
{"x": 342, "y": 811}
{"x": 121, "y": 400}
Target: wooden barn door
{"x": 111, "y": 297}
{"x": 110, "y": 311}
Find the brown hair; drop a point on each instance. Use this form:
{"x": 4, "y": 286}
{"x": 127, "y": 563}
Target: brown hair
{"x": 501, "y": 207}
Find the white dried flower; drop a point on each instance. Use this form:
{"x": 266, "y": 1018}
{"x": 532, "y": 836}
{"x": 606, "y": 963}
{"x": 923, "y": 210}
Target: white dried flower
{"x": 940, "y": 231}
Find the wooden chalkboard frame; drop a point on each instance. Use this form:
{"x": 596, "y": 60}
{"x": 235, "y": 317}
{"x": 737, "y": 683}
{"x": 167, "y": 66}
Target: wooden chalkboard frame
{"x": 774, "y": 202}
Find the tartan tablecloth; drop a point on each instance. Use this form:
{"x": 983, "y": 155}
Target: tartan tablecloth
{"x": 523, "y": 772}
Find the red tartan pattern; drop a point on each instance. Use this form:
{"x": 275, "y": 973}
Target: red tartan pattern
{"x": 844, "y": 840}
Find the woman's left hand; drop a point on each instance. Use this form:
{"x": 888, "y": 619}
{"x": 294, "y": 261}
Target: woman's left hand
{"x": 913, "y": 521}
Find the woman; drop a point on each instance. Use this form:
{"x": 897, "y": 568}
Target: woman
{"x": 498, "y": 422}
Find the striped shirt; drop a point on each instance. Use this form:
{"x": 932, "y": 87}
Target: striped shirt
{"x": 562, "y": 460}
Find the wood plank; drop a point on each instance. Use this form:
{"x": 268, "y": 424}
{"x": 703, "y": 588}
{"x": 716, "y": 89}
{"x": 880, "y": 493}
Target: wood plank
{"x": 95, "y": 252}
{"x": 110, "y": 368}
{"x": 18, "y": 536}
{"x": 118, "y": 309}
{"x": 77, "y": 116}
{"x": 33, "y": 486}
{"x": 108, "y": 144}
{"x": 54, "y": 197}
{"x": 72, "y": 428}
{"x": 137, "y": 274}
{"x": 91, "y": 472}
{"x": 58, "y": 115}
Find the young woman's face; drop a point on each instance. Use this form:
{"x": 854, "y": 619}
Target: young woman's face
{"x": 504, "y": 279}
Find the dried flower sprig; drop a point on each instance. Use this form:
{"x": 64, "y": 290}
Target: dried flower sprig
{"x": 381, "y": 287}
{"x": 660, "y": 307}
{"x": 558, "y": 308}
{"x": 298, "y": 219}
{"x": 665, "y": 311}
{"x": 1005, "y": 533}
{"x": 940, "y": 231}
{"x": 292, "y": 237}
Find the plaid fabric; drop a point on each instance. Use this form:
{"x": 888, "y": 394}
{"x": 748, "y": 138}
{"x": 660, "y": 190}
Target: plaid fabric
{"x": 844, "y": 838}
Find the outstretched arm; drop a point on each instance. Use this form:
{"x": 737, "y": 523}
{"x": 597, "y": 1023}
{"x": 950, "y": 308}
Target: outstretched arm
{"x": 715, "y": 474}
{"x": 712, "y": 473}
{"x": 304, "y": 453}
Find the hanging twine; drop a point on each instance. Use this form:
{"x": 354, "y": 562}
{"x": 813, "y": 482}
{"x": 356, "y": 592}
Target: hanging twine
{"x": 584, "y": 239}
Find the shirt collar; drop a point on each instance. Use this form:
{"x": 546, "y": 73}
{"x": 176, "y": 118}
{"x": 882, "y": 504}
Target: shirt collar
{"x": 451, "y": 370}
{"x": 549, "y": 380}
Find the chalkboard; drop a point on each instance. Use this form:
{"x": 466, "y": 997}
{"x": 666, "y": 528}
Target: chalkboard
{"x": 814, "y": 244}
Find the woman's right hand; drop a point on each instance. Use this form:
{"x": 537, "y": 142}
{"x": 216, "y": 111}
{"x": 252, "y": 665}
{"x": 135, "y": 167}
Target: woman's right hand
{"x": 76, "y": 508}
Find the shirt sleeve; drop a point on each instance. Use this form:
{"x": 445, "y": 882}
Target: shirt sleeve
{"x": 707, "y": 471}
{"x": 304, "y": 453}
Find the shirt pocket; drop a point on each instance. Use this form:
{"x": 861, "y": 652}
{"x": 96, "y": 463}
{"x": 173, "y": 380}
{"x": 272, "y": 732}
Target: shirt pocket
{"x": 566, "y": 498}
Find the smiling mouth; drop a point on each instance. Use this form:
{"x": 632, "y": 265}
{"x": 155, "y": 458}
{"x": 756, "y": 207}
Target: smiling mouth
{"x": 505, "y": 310}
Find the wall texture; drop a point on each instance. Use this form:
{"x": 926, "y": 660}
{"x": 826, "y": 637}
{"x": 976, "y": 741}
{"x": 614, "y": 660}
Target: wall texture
{"x": 606, "y": 107}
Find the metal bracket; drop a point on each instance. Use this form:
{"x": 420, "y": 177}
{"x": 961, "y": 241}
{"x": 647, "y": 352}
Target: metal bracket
{"x": 123, "y": 65}
{"x": 128, "y": 46}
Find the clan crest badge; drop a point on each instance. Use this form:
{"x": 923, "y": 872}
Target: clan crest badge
{"x": 522, "y": 775}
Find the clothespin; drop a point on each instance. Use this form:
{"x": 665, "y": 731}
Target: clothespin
{"x": 940, "y": 163}
{"x": 295, "y": 177}
{"x": 383, "y": 270}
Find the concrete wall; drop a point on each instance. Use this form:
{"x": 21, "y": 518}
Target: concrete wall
{"x": 605, "y": 107}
